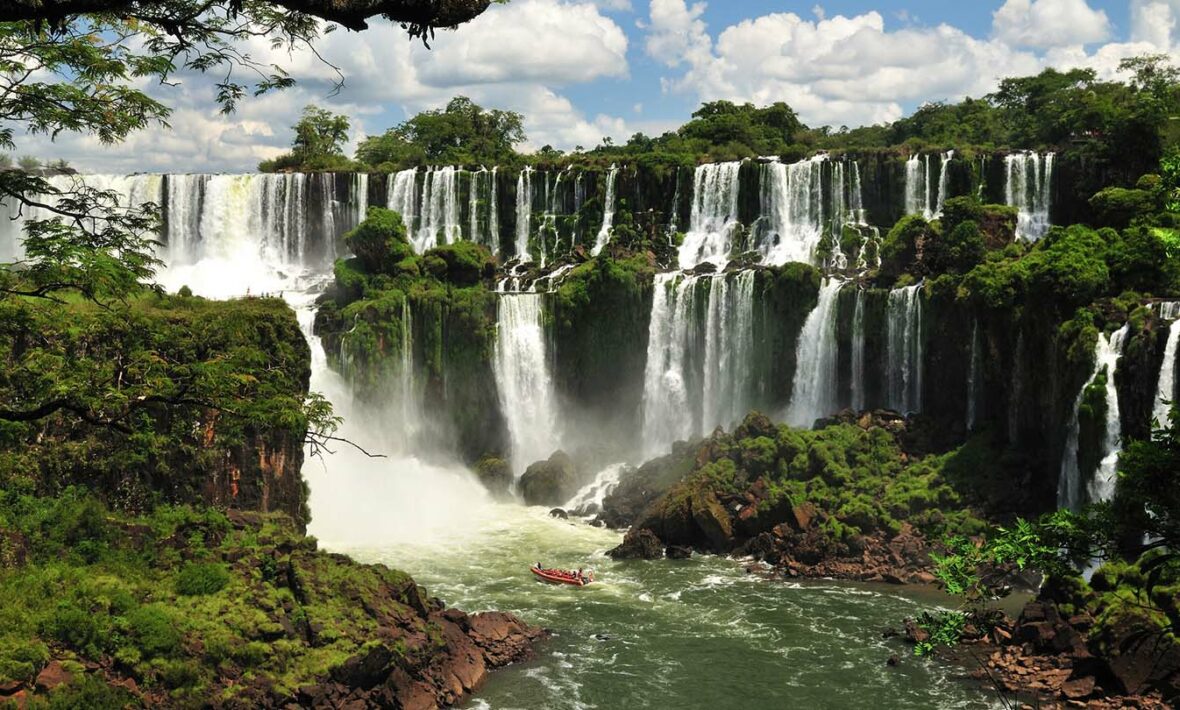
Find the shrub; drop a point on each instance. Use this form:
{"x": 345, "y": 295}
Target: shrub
{"x": 379, "y": 242}
{"x": 22, "y": 660}
{"x": 899, "y": 251}
{"x": 956, "y": 250}
{"x": 200, "y": 579}
{"x": 74, "y": 627}
{"x": 91, "y": 693}
{"x": 153, "y": 631}
{"x": 1118, "y": 207}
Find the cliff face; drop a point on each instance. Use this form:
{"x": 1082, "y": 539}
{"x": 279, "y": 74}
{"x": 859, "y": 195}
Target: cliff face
{"x": 247, "y": 455}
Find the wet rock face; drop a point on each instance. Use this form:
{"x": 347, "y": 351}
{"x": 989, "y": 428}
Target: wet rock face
{"x": 551, "y": 483}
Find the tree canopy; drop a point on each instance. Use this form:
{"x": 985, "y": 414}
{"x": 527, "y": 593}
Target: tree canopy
{"x": 462, "y": 133}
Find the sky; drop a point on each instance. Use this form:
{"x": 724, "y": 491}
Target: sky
{"x": 582, "y": 70}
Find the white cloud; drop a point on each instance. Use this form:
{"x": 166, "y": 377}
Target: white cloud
{"x": 1044, "y": 24}
{"x": 516, "y": 56}
{"x": 1154, "y": 22}
{"x": 843, "y": 70}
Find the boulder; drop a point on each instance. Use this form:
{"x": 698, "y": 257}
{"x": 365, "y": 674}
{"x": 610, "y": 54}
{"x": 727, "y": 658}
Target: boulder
{"x": 639, "y": 544}
{"x": 1141, "y": 657}
{"x": 52, "y": 676}
{"x": 678, "y": 552}
{"x": 559, "y": 513}
{"x": 712, "y": 520}
{"x": 496, "y": 475}
{"x": 551, "y": 482}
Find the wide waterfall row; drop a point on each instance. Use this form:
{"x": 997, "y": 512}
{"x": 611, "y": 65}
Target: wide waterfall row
{"x": 799, "y": 205}
{"x": 276, "y": 218}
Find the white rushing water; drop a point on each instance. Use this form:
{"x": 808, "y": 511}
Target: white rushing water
{"x": 793, "y": 209}
{"x": 438, "y": 216}
{"x": 1161, "y": 415}
{"x": 904, "y": 349}
{"x": 608, "y": 212}
{"x": 588, "y": 501}
{"x": 699, "y": 357}
{"x": 917, "y": 186}
{"x": 857, "y": 379}
{"x": 249, "y": 224}
{"x": 729, "y": 349}
{"x": 944, "y": 182}
{"x": 1029, "y": 188}
{"x": 524, "y": 213}
{"x": 714, "y": 215}
{"x": 524, "y": 379}
{"x": 814, "y": 393}
{"x": 401, "y": 196}
{"x": 1071, "y": 485}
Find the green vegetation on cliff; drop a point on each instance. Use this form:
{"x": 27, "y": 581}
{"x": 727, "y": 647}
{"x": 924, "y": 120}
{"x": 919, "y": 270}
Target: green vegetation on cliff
{"x": 168, "y": 399}
{"x": 437, "y": 308}
{"x": 188, "y": 607}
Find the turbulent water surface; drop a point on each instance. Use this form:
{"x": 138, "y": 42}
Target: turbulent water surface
{"x": 697, "y": 634}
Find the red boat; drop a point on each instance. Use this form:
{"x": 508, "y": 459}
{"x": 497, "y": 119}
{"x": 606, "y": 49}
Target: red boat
{"x": 560, "y": 576}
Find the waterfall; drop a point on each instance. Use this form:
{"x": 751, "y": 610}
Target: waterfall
{"x": 814, "y": 393}
{"x": 1166, "y": 389}
{"x": 524, "y": 213}
{"x": 793, "y": 210}
{"x": 401, "y": 196}
{"x": 1016, "y": 390}
{"x": 234, "y": 210}
{"x": 856, "y": 197}
{"x": 408, "y": 389}
{"x": 904, "y": 348}
{"x": 131, "y": 191}
{"x": 714, "y": 215}
{"x": 474, "y": 233}
{"x": 608, "y": 212}
{"x": 698, "y": 374}
{"x": 524, "y": 380}
{"x": 917, "y": 186}
{"x": 439, "y": 214}
{"x": 729, "y": 350}
{"x": 973, "y": 376}
{"x": 1102, "y": 486}
{"x": 666, "y": 414}
{"x": 589, "y": 500}
{"x": 1107, "y": 352}
{"x": 858, "y": 352}
{"x": 1029, "y": 189}
{"x": 944, "y": 182}
{"x": 675, "y": 212}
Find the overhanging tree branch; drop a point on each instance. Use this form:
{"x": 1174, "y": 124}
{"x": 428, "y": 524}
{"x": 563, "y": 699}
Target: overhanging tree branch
{"x": 353, "y": 14}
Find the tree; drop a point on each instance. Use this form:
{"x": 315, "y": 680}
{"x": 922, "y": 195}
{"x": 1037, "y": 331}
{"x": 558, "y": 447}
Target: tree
{"x": 319, "y": 134}
{"x": 462, "y": 133}
{"x": 29, "y": 164}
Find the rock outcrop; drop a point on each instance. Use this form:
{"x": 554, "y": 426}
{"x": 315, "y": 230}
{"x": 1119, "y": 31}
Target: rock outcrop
{"x": 552, "y": 482}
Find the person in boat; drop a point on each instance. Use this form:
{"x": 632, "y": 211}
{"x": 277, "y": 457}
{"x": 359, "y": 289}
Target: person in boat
{"x": 580, "y": 578}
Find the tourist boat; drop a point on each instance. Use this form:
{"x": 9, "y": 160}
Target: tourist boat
{"x": 560, "y": 576}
